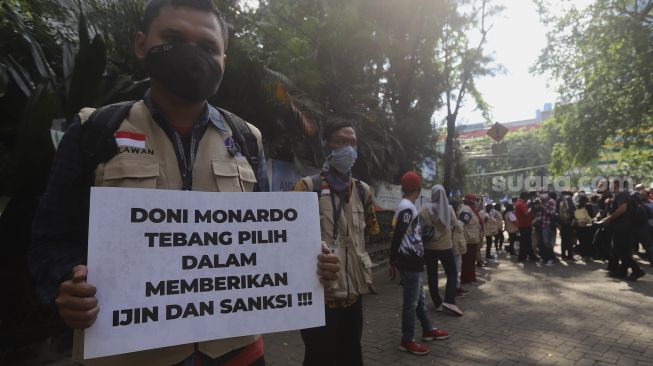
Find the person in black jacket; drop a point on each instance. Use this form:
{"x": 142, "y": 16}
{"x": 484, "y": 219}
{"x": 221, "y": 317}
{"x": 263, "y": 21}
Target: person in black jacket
{"x": 620, "y": 220}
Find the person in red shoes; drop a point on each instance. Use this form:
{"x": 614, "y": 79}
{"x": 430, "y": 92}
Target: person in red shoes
{"x": 407, "y": 254}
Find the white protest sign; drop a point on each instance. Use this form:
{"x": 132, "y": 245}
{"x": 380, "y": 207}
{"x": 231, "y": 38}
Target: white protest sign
{"x": 176, "y": 267}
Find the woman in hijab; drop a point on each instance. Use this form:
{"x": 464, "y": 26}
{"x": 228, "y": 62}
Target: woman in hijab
{"x": 491, "y": 229}
{"x": 437, "y": 221}
{"x": 473, "y": 231}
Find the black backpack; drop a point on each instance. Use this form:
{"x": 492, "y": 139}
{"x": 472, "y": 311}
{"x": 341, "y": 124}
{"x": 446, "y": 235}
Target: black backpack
{"x": 639, "y": 213}
{"x": 99, "y": 145}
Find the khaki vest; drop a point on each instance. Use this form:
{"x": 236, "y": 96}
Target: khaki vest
{"x": 491, "y": 225}
{"x": 215, "y": 170}
{"x": 511, "y": 227}
{"x": 472, "y": 229}
{"x": 355, "y": 274}
{"x": 499, "y": 218}
{"x": 458, "y": 238}
{"x": 442, "y": 240}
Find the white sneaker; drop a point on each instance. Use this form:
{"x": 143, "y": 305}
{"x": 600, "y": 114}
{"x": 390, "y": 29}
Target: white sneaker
{"x": 452, "y": 308}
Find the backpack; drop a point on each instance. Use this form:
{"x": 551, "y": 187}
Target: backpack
{"x": 98, "y": 144}
{"x": 563, "y": 211}
{"x": 581, "y": 217}
{"x": 639, "y": 213}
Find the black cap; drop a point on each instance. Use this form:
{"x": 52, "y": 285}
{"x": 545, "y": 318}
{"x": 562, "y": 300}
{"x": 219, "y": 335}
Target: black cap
{"x": 332, "y": 125}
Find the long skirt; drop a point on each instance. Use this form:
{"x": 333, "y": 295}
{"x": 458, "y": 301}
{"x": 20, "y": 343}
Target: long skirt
{"x": 468, "y": 273}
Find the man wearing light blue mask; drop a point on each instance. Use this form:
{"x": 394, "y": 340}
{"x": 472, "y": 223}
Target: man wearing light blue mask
{"x": 346, "y": 213}
{"x": 340, "y": 154}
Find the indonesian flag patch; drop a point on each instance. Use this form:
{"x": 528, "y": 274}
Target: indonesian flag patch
{"x": 133, "y": 139}
{"x": 325, "y": 191}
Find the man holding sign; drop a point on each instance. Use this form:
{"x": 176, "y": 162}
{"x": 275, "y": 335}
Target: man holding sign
{"x": 172, "y": 140}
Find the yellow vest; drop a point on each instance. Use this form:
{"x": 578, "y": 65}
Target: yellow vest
{"x": 214, "y": 170}
{"x": 355, "y": 274}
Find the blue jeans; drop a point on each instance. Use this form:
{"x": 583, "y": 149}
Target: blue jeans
{"x": 548, "y": 240}
{"x": 413, "y": 304}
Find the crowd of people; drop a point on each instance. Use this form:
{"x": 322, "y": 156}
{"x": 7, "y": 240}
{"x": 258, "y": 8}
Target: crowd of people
{"x": 611, "y": 225}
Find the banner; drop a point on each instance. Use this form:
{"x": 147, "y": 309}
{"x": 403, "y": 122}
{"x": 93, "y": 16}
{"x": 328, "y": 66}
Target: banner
{"x": 176, "y": 267}
{"x": 285, "y": 174}
{"x": 388, "y": 196}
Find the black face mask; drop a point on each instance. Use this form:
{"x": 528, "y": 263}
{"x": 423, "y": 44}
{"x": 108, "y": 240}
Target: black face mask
{"x": 185, "y": 70}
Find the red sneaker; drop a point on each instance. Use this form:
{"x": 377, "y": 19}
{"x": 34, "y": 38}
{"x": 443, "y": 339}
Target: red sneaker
{"x": 460, "y": 292}
{"x": 414, "y": 348}
{"x": 436, "y": 334}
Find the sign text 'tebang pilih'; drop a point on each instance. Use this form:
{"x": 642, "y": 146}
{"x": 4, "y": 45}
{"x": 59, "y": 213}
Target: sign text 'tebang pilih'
{"x": 175, "y": 267}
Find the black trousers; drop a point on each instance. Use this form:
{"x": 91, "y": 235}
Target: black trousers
{"x": 603, "y": 243}
{"x": 525, "y": 243}
{"x": 431, "y": 258}
{"x": 338, "y": 343}
{"x": 585, "y": 236}
{"x": 498, "y": 241}
{"x": 567, "y": 240}
{"x": 512, "y": 238}
{"x": 488, "y": 246}
{"x": 622, "y": 250}
{"x": 642, "y": 235}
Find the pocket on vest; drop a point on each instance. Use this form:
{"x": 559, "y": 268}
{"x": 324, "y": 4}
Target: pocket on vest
{"x": 130, "y": 173}
{"x": 366, "y": 270}
{"x": 233, "y": 175}
{"x": 358, "y": 218}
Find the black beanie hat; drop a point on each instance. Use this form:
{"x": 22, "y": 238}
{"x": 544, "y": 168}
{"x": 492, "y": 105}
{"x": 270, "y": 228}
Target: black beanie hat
{"x": 332, "y": 125}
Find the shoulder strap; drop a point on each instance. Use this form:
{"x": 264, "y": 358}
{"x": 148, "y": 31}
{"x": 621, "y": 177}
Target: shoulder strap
{"x": 361, "y": 192}
{"x": 316, "y": 181}
{"x": 98, "y": 144}
{"x": 243, "y": 136}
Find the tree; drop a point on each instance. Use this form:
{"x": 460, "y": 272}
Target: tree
{"x": 602, "y": 56}
{"x": 463, "y": 63}
{"x": 367, "y": 61}
{"x": 527, "y": 153}
{"x": 49, "y": 69}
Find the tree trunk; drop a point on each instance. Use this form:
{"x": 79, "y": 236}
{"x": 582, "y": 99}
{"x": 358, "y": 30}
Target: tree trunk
{"x": 449, "y": 158}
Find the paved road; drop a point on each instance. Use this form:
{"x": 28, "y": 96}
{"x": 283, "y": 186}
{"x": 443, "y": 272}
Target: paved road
{"x": 570, "y": 314}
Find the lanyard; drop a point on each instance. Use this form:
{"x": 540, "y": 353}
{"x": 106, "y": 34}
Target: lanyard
{"x": 336, "y": 214}
{"x": 185, "y": 166}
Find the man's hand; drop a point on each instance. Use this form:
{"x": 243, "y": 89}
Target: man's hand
{"x": 392, "y": 271}
{"x": 76, "y": 302}
{"x": 328, "y": 266}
